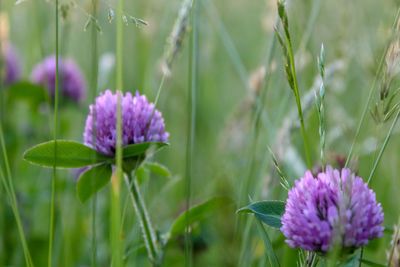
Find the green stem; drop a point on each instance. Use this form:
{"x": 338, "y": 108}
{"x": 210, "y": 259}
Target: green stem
{"x": 93, "y": 82}
{"x": 192, "y": 80}
{"x": 148, "y": 232}
{"x": 385, "y": 142}
{"x": 116, "y": 242}
{"x": 298, "y": 101}
{"x": 256, "y": 130}
{"x": 53, "y": 180}
{"x": 310, "y": 260}
{"x": 158, "y": 92}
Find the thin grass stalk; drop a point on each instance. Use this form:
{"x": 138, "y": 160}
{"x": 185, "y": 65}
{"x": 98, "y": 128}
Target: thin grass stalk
{"x": 53, "y": 180}
{"x": 227, "y": 42}
{"x": 126, "y": 202}
{"x": 93, "y": 82}
{"x": 256, "y": 129}
{"x": 116, "y": 242}
{"x": 291, "y": 73}
{"x": 370, "y": 93}
{"x": 316, "y": 7}
{"x": 38, "y": 28}
{"x": 272, "y": 258}
{"x": 9, "y": 188}
{"x": 6, "y": 179}
{"x": 298, "y": 102}
{"x": 142, "y": 214}
{"x": 319, "y": 101}
{"x": 192, "y": 80}
{"x": 174, "y": 45}
{"x": 365, "y": 110}
{"x": 256, "y": 125}
{"x": 252, "y": 155}
{"x": 382, "y": 150}
{"x": 158, "y": 93}
{"x": 244, "y": 257}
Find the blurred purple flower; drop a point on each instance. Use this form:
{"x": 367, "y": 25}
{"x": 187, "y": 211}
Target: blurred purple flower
{"x": 72, "y": 83}
{"x": 336, "y": 207}
{"x": 12, "y": 65}
{"x": 140, "y": 122}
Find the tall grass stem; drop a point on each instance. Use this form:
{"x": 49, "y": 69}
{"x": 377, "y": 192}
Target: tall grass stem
{"x": 93, "y": 91}
{"x": 55, "y": 126}
{"x": 116, "y": 232}
{"x": 9, "y": 188}
{"x": 192, "y": 82}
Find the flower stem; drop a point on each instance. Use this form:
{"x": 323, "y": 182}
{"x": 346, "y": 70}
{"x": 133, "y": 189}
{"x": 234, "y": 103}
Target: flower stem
{"x": 142, "y": 214}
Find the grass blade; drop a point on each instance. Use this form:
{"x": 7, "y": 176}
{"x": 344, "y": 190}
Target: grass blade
{"x": 272, "y": 258}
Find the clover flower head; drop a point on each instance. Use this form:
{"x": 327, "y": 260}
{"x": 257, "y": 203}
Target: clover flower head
{"x": 12, "y": 65}
{"x": 141, "y": 122}
{"x": 72, "y": 82}
{"x": 334, "y": 208}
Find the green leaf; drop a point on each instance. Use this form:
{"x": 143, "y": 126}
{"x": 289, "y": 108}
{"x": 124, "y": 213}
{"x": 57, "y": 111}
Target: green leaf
{"x": 24, "y": 90}
{"x": 143, "y": 171}
{"x": 92, "y": 180}
{"x": 140, "y": 149}
{"x": 351, "y": 260}
{"x": 157, "y": 168}
{"x": 371, "y": 263}
{"x": 142, "y": 174}
{"x": 194, "y": 214}
{"x": 70, "y": 154}
{"x": 138, "y": 249}
{"x": 269, "y": 212}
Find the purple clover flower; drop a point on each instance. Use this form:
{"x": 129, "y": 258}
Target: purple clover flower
{"x": 336, "y": 206}
{"x": 12, "y": 65}
{"x": 141, "y": 122}
{"x": 72, "y": 83}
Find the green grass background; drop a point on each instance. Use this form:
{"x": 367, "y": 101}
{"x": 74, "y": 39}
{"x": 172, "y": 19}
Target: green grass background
{"x": 234, "y": 37}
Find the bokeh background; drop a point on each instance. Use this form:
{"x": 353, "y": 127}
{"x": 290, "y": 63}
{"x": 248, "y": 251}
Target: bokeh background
{"x": 243, "y": 106}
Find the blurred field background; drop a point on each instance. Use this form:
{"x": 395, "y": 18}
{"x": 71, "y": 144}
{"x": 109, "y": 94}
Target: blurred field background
{"x": 243, "y": 106}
